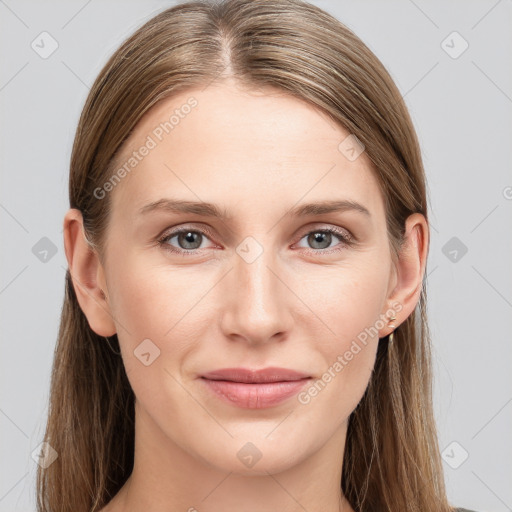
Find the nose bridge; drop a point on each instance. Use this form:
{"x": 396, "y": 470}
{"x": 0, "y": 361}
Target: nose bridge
{"x": 252, "y": 270}
{"x": 257, "y": 308}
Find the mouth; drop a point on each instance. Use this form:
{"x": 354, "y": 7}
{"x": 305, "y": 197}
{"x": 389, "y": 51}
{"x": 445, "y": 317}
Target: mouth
{"x": 255, "y": 389}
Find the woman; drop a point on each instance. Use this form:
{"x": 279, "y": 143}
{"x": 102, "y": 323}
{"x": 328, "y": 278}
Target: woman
{"x": 244, "y": 324}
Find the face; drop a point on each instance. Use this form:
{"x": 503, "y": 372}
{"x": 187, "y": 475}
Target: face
{"x": 266, "y": 283}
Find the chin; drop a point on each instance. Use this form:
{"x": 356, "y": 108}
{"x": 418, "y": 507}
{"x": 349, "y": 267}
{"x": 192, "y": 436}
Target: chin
{"x": 256, "y": 454}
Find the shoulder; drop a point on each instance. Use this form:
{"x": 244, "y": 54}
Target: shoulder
{"x": 462, "y": 510}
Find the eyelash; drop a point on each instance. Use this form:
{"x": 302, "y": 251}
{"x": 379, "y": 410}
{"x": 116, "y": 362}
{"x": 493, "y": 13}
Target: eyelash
{"x": 345, "y": 237}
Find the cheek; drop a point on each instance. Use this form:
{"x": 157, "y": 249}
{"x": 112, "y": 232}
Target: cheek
{"x": 347, "y": 299}
{"x": 160, "y": 304}
{"x": 349, "y": 303}
{"x": 151, "y": 299}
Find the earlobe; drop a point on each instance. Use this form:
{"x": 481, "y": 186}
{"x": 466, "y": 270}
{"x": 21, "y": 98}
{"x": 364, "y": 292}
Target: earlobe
{"x": 410, "y": 269}
{"x": 86, "y": 271}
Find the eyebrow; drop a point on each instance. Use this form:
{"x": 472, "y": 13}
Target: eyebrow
{"x": 211, "y": 210}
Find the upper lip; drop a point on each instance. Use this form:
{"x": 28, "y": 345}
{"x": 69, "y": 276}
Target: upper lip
{"x": 271, "y": 374}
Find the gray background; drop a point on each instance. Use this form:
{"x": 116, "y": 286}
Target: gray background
{"x": 461, "y": 108}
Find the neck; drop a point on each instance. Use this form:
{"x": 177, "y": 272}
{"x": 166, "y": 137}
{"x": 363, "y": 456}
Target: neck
{"x": 167, "y": 477}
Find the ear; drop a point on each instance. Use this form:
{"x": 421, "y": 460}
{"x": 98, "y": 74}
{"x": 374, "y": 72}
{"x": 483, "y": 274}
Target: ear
{"x": 87, "y": 275}
{"x": 410, "y": 269}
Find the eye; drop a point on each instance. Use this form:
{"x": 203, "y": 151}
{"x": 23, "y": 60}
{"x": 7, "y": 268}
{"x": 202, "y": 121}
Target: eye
{"x": 188, "y": 240}
{"x": 321, "y": 239}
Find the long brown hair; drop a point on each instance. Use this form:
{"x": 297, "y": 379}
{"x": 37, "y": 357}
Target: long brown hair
{"x": 391, "y": 460}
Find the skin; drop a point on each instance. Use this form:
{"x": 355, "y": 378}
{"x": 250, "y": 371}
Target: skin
{"x": 257, "y": 154}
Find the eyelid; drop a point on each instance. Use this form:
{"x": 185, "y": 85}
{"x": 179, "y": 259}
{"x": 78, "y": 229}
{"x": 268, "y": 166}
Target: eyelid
{"x": 172, "y": 232}
{"x": 322, "y": 226}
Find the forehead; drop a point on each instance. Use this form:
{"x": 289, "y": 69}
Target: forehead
{"x": 236, "y": 146}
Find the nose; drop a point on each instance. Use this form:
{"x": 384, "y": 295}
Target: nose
{"x": 256, "y": 302}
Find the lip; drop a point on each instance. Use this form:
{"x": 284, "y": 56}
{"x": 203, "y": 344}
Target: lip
{"x": 255, "y": 389}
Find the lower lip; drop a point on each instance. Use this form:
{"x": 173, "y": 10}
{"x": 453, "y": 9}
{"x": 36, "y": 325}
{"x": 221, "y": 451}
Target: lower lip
{"x": 255, "y": 396}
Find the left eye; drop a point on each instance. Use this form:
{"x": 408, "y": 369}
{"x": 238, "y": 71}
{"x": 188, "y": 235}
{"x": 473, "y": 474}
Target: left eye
{"x": 190, "y": 240}
{"x": 321, "y": 238}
